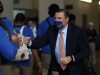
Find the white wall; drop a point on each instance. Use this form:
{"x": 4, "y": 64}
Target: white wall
{"x": 35, "y": 4}
{"x": 43, "y": 7}
{"x": 8, "y": 9}
{"x": 29, "y": 6}
{"x": 80, "y": 8}
{"x": 24, "y": 4}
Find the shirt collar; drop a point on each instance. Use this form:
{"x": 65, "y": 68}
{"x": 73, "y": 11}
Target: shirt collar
{"x": 64, "y": 30}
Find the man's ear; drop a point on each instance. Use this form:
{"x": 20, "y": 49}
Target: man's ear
{"x": 67, "y": 19}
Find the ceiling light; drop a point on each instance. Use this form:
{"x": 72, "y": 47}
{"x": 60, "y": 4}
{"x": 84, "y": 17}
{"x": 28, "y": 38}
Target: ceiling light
{"x": 89, "y": 1}
{"x": 99, "y": 2}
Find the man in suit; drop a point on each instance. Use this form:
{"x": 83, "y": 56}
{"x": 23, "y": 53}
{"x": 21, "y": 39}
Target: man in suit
{"x": 75, "y": 46}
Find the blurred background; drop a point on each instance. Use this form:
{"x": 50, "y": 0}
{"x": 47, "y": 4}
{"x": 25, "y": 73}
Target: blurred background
{"x": 86, "y": 11}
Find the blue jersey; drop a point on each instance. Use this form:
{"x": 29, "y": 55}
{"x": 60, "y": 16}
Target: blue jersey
{"x": 8, "y": 49}
{"x": 42, "y": 29}
{"x": 9, "y": 26}
{"x": 28, "y": 33}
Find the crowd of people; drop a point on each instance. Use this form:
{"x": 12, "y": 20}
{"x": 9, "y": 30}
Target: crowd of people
{"x": 56, "y": 46}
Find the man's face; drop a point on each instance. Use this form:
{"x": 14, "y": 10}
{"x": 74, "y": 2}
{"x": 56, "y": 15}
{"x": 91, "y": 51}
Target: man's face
{"x": 60, "y": 16}
{"x": 30, "y": 23}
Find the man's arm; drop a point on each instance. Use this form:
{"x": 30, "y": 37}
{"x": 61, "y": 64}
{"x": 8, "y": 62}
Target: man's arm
{"x": 7, "y": 48}
{"x": 83, "y": 51}
{"x": 40, "y": 41}
{"x": 38, "y": 59}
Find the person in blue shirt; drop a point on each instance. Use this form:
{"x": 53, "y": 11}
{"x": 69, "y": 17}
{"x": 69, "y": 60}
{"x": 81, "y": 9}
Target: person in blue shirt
{"x": 9, "y": 25}
{"x": 24, "y": 66}
{"x": 5, "y": 63}
{"x": 8, "y": 49}
{"x": 8, "y": 46}
{"x": 42, "y": 29}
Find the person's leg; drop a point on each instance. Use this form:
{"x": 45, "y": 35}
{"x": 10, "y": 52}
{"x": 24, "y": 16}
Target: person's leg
{"x": 64, "y": 72}
{"x": 27, "y": 70}
{"x": 49, "y": 72}
{"x": 32, "y": 59}
{"x": 16, "y": 70}
{"x": 93, "y": 53}
{"x": 55, "y": 73}
{"x": 46, "y": 62}
{"x": 7, "y": 69}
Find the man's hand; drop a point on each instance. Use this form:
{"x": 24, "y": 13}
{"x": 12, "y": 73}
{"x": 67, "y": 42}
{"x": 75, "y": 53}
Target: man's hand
{"x": 26, "y": 40}
{"x": 39, "y": 66}
{"x": 66, "y": 60}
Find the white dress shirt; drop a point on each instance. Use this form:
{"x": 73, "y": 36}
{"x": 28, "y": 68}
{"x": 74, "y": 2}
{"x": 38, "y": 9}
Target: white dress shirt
{"x": 57, "y": 48}
{"x": 34, "y": 30}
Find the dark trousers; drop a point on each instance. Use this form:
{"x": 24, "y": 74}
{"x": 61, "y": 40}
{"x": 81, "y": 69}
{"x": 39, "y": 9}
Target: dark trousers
{"x": 64, "y": 72}
{"x": 60, "y": 71}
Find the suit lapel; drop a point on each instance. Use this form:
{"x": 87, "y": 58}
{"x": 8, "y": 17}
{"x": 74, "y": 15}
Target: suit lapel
{"x": 55, "y": 37}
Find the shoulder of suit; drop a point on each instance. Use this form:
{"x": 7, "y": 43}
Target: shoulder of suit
{"x": 75, "y": 26}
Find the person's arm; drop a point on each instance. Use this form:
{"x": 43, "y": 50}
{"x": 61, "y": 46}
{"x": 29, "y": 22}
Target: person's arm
{"x": 7, "y": 48}
{"x": 35, "y": 52}
{"x": 83, "y": 50}
{"x": 40, "y": 41}
{"x": 9, "y": 25}
{"x": 38, "y": 59}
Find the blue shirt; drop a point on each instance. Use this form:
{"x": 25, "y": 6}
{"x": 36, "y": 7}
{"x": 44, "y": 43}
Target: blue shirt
{"x": 8, "y": 49}
{"x": 57, "y": 49}
{"x": 28, "y": 33}
{"x": 42, "y": 29}
{"x": 9, "y": 25}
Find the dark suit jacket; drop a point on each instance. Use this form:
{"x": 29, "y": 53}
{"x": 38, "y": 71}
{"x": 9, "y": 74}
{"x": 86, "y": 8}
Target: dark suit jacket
{"x": 76, "y": 45}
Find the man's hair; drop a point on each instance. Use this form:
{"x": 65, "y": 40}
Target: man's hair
{"x": 65, "y": 12}
{"x": 72, "y": 18}
{"x": 53, "y": 8}
{"x": 31, "y": 19}
{"x": 20, "y": 17}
